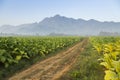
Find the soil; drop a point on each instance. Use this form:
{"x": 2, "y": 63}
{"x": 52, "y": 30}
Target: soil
{"x": 53, "y": 67}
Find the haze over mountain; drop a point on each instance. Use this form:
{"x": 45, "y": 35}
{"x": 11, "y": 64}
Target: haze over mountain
{"x": 64, "y": 25}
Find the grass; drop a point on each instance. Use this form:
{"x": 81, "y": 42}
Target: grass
{"x": 87, "y": 67}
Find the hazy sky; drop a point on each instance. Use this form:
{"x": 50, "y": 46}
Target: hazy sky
{"x": 17, "y": 12}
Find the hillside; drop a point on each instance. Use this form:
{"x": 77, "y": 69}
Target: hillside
{"x": 63, "y": 25}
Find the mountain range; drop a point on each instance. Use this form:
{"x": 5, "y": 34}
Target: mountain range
{"x": 63, "y": 25}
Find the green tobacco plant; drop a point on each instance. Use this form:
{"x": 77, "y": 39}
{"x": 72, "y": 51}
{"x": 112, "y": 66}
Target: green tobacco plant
{"x": 110, "y": 50}
{"x": 14, "y": 49}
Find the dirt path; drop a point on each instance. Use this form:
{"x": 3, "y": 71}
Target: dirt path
{"x": 53, "y": 67}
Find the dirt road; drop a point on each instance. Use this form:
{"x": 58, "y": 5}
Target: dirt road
{"x": 53, "y": 67}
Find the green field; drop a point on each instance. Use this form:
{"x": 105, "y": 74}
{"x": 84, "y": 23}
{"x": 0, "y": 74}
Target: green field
{"x": 100, "y": 59}
{"x": 17, "y": 52}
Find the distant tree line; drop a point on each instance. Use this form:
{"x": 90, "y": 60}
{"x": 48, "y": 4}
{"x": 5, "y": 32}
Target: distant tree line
{"x": 109, "y": 34}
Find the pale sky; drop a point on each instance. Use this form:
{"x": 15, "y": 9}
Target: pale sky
{"x": 15, "y": 12}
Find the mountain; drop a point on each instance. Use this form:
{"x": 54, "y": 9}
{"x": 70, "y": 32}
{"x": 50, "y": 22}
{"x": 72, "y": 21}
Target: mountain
{"x": 63, "y": 25}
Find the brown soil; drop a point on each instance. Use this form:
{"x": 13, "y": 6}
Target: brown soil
{"x": 53, "y": 67}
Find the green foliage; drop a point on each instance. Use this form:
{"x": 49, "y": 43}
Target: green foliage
{"x": 109, "y": 48}
{"x": 13, "y": 49}
{"x": 18, "y": 52}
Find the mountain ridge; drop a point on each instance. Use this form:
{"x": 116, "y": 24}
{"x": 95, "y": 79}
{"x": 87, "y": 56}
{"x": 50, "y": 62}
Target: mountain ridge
{"x": 64, "y": 25}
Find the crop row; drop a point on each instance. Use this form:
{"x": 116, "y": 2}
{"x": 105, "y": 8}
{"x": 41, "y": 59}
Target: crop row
{"x": 13, "y": 49}
{"x": 109, "y": 50}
